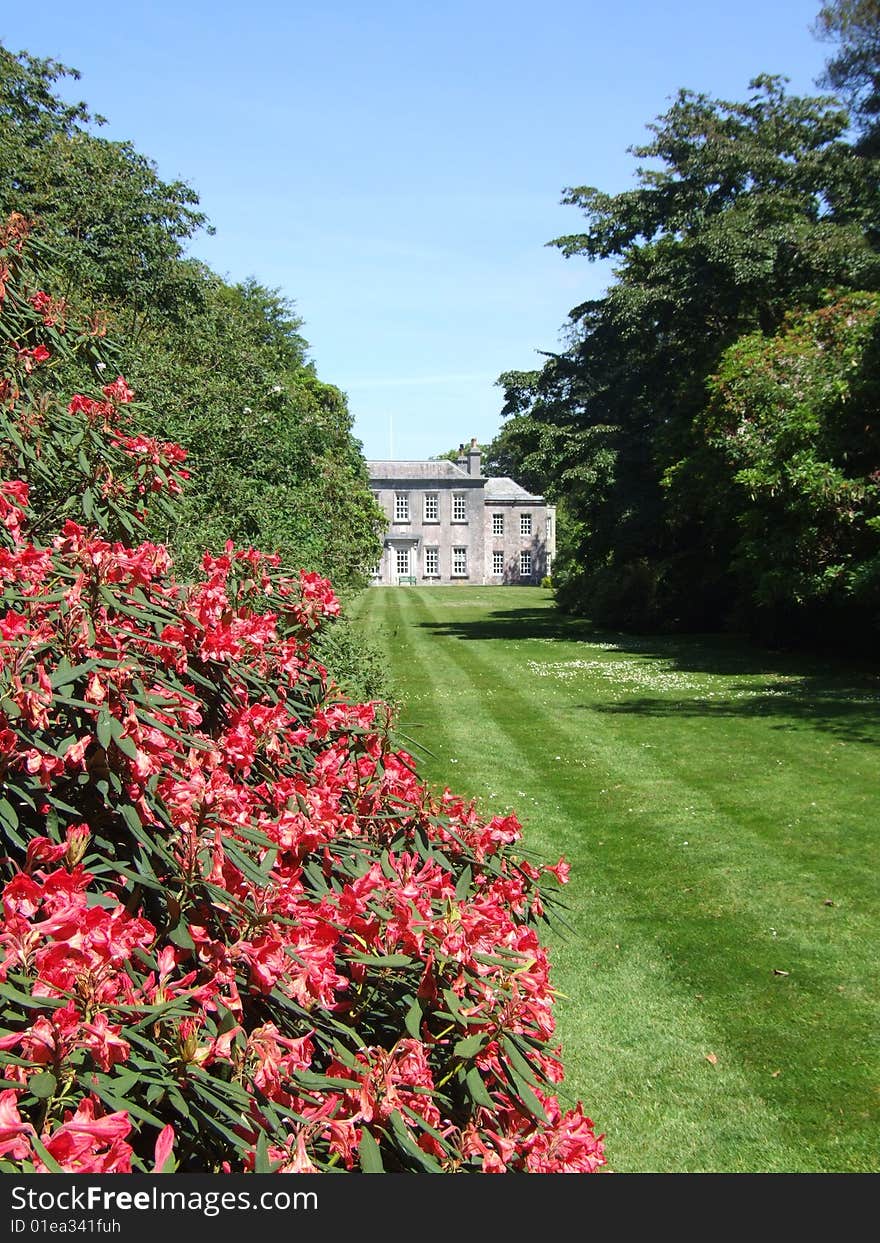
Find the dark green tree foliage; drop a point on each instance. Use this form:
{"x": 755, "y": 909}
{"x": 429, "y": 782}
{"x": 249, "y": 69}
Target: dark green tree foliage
{"x": 223, "y": 367}
{"x": 741, "y": 212}
{"x": 789, "y": 466}
{"x": 117, "y": 229}
{"x": 273, "y": 458}
{"x": 854, "y": 70}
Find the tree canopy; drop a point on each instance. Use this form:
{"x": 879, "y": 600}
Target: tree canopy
{"x": 742, "y": 213}
{"x": 222, "y": 367}
{"x": 854, "y": 70}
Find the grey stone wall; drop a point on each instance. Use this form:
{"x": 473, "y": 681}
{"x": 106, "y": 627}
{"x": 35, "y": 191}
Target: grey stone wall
{"x": 444, "y": 534}
{"x": 411, "y": 543}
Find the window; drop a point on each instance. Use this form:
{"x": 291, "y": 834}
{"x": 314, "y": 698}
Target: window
{"x": 498, "y": 524}
{"x": 525, "y": 524}
{"x": 459, "y": 562}
{"x": 377, "y": 570}
{"x": 525, "y": 565}
{"x": 402, "y": 561}
{"x": 459, "y": 507}
{"x": 497, "y": 563}
{"x": 432, "y": 563}
{"x": 431, "y": 510}
{"x": 401, "y": 507}
{"x": 549, "y": 528}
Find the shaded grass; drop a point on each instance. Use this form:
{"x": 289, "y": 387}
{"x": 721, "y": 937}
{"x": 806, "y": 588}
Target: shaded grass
{"x": 718, "y": 804}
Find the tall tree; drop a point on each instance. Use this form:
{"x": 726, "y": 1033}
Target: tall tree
{"x": 118, "y": 229}
{"x": 788, "y": 464}
{"x": 223, "y": 368}
{"x": 742, "y": 210}
{"x": 854, "y": 70}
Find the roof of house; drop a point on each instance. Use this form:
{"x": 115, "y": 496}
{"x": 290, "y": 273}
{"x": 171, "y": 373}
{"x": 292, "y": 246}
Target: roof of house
{"x": 504, "y": 488}
{"x": 501, "y": 488}
{"x": 443, "y": 469}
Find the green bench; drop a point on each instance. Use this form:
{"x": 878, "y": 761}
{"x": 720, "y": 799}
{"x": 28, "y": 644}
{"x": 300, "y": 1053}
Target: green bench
{"x": 406, "y": 580}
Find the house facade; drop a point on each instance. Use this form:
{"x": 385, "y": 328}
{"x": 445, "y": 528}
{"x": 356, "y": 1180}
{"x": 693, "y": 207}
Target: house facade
{"x": 448, "y": 523}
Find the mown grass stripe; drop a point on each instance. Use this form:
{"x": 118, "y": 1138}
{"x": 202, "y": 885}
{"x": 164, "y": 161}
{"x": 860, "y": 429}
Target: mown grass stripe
{"x": 635, "y": 814}
{"x": 687, "y": 1030}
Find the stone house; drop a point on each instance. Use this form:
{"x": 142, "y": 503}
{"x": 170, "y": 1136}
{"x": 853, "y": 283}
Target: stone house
{"x": 448, "y": 523}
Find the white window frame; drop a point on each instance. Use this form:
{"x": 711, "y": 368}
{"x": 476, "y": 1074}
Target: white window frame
{"x": 459, "y": 507}
{"x": 431, "y": 507}
{"x": 459, "y": 562}
{"x": 432, "y": 561}
{"x": 525, "y": 524}
{"x": 401, "y": 507}
{"x": 498, "y": 524}
{"x": 525, "y": 559}
{"x": 406, "y": 555}
{"x": 498, "y": 564}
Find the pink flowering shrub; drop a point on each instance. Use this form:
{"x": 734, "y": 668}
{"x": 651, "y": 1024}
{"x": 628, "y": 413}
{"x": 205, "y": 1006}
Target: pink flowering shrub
{"x": 238, "y": 933}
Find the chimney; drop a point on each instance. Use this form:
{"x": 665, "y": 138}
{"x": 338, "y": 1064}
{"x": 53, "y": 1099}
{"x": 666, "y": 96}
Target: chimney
{"x": 473, "y": 458}
{"x": 462, "y": 460}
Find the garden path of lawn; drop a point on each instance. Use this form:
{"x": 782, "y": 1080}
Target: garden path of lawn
{"x": 718, "y": 805}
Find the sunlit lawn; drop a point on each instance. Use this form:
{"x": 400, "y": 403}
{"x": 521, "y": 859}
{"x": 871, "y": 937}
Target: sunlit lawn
{"x": 719, "y": 806}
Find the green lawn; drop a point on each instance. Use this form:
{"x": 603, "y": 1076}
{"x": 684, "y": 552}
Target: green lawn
{"x": 719, "y": 807}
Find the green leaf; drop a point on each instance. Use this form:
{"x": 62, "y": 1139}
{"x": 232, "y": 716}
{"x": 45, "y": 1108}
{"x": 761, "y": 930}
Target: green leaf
{"x": 177, "y": 1101}
{"x": 212, "y": 1122}
{"x": 32, "y": 1003}
{"x": 43, "y": 1085}
{"x": 413, "y": 1020}
{"x": 517, "y": 1059}
{"x": 453, "y": 1003}
{"x": 311, "y": 1079}
{"x": 102, "y": 1085}
{"x": 8, "y": 814}
{"x": 179, "y": 934}
{"x": 419, "y": 1123}
{"x": 227, "y": 1020}
{"x": 244, "y": 863}
{"x": 370, "y": 1154}
{"x": 174, "y": 1007}
{"x": 477, "y": 1088}
{"x": 409, "y": 1145}
{"x": 147, "y": 877}
{"x": 262, "y": 1164}
{"x": 471, "y": 1045}
{"x": 124, "y": 743}
{"x": 526, "y": 1094}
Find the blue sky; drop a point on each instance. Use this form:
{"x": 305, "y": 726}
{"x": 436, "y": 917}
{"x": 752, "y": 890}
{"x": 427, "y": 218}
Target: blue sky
{"x": 396, "y": 168}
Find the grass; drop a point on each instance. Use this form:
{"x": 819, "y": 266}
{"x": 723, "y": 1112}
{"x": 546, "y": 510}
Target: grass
{"x": 718, "y": 805}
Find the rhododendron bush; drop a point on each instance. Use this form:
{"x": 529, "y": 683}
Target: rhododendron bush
{"x": 238, "y": 933}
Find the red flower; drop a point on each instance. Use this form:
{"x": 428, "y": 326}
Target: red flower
{"x": 90, "y": 1143}
{"x": 118, "y": 391}
{"x": 163, "y": 1149}
{"x": 12, "y": 1129}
